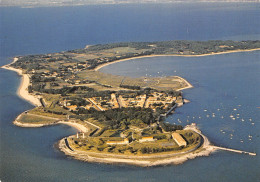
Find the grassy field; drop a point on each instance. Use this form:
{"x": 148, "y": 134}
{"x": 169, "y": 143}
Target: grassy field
{"x": 40, "y": 111}
{"x": 159, "y": 83}
{"x": 25, "y": 118}
{"x": 98, "y": 144}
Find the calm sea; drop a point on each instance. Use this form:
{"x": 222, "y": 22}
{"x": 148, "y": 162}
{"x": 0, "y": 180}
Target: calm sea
{"x": 224, "y": 85}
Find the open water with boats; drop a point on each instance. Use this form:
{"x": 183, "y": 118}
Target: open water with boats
{"x": 224, "y": 100}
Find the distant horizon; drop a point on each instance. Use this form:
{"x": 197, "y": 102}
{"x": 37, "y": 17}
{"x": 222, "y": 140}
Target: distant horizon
{"x": 57, "y": 3}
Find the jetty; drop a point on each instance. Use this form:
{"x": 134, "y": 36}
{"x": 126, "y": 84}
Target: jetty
{"x": 234, "y": 150}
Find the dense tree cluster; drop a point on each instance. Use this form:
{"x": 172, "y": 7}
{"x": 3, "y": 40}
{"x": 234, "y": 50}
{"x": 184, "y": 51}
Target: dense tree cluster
{"x": 116, "y": 118}
{"x": 132, "y": 87}
{"x": 170, "y": 127}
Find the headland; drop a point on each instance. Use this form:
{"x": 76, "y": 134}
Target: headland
{"x": 119, "y": 119}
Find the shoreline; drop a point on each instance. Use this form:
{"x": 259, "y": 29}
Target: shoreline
{"x": 179, "y": 55}
{"x": 22, "y": 91}
{"x": 189, "y": 85}
{"x": 77, "y": 126}
{"x": 143, "y": 161}
{"x": 205, "y": 148}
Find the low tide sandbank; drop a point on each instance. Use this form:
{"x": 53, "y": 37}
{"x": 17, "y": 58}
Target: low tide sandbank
{"x": 180, "y": 55}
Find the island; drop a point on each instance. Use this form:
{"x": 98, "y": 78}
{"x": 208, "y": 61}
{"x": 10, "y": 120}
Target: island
{"x": 119, "y": 119}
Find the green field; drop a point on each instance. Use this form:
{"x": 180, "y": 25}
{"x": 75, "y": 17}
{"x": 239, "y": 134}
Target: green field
{"x": 26, "y": 118}
{"x": 163, "y": 145}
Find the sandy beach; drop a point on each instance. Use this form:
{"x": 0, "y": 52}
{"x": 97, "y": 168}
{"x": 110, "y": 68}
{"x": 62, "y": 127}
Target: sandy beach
{"x": 29, "y": 125}
{"x": 197, "y": 55}
{"x": 25, "y": 81}
{"x": 78, "y": 126}
{"x": 144, "y": 161}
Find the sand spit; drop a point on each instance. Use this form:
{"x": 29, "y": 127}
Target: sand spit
{"x": 186, "y": 82}
{"x": 30, "y": 125}
{"x": 77, "y": 126}
{"x": 198, "y": 55}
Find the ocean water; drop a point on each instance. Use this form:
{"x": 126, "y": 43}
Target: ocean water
{"x": 222, "y": 83}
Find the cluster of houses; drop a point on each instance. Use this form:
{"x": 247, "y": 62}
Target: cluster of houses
{"x": 153, "y": 100}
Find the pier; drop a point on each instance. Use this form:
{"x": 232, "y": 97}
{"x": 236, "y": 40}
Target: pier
{"x": 234, "y": 150}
